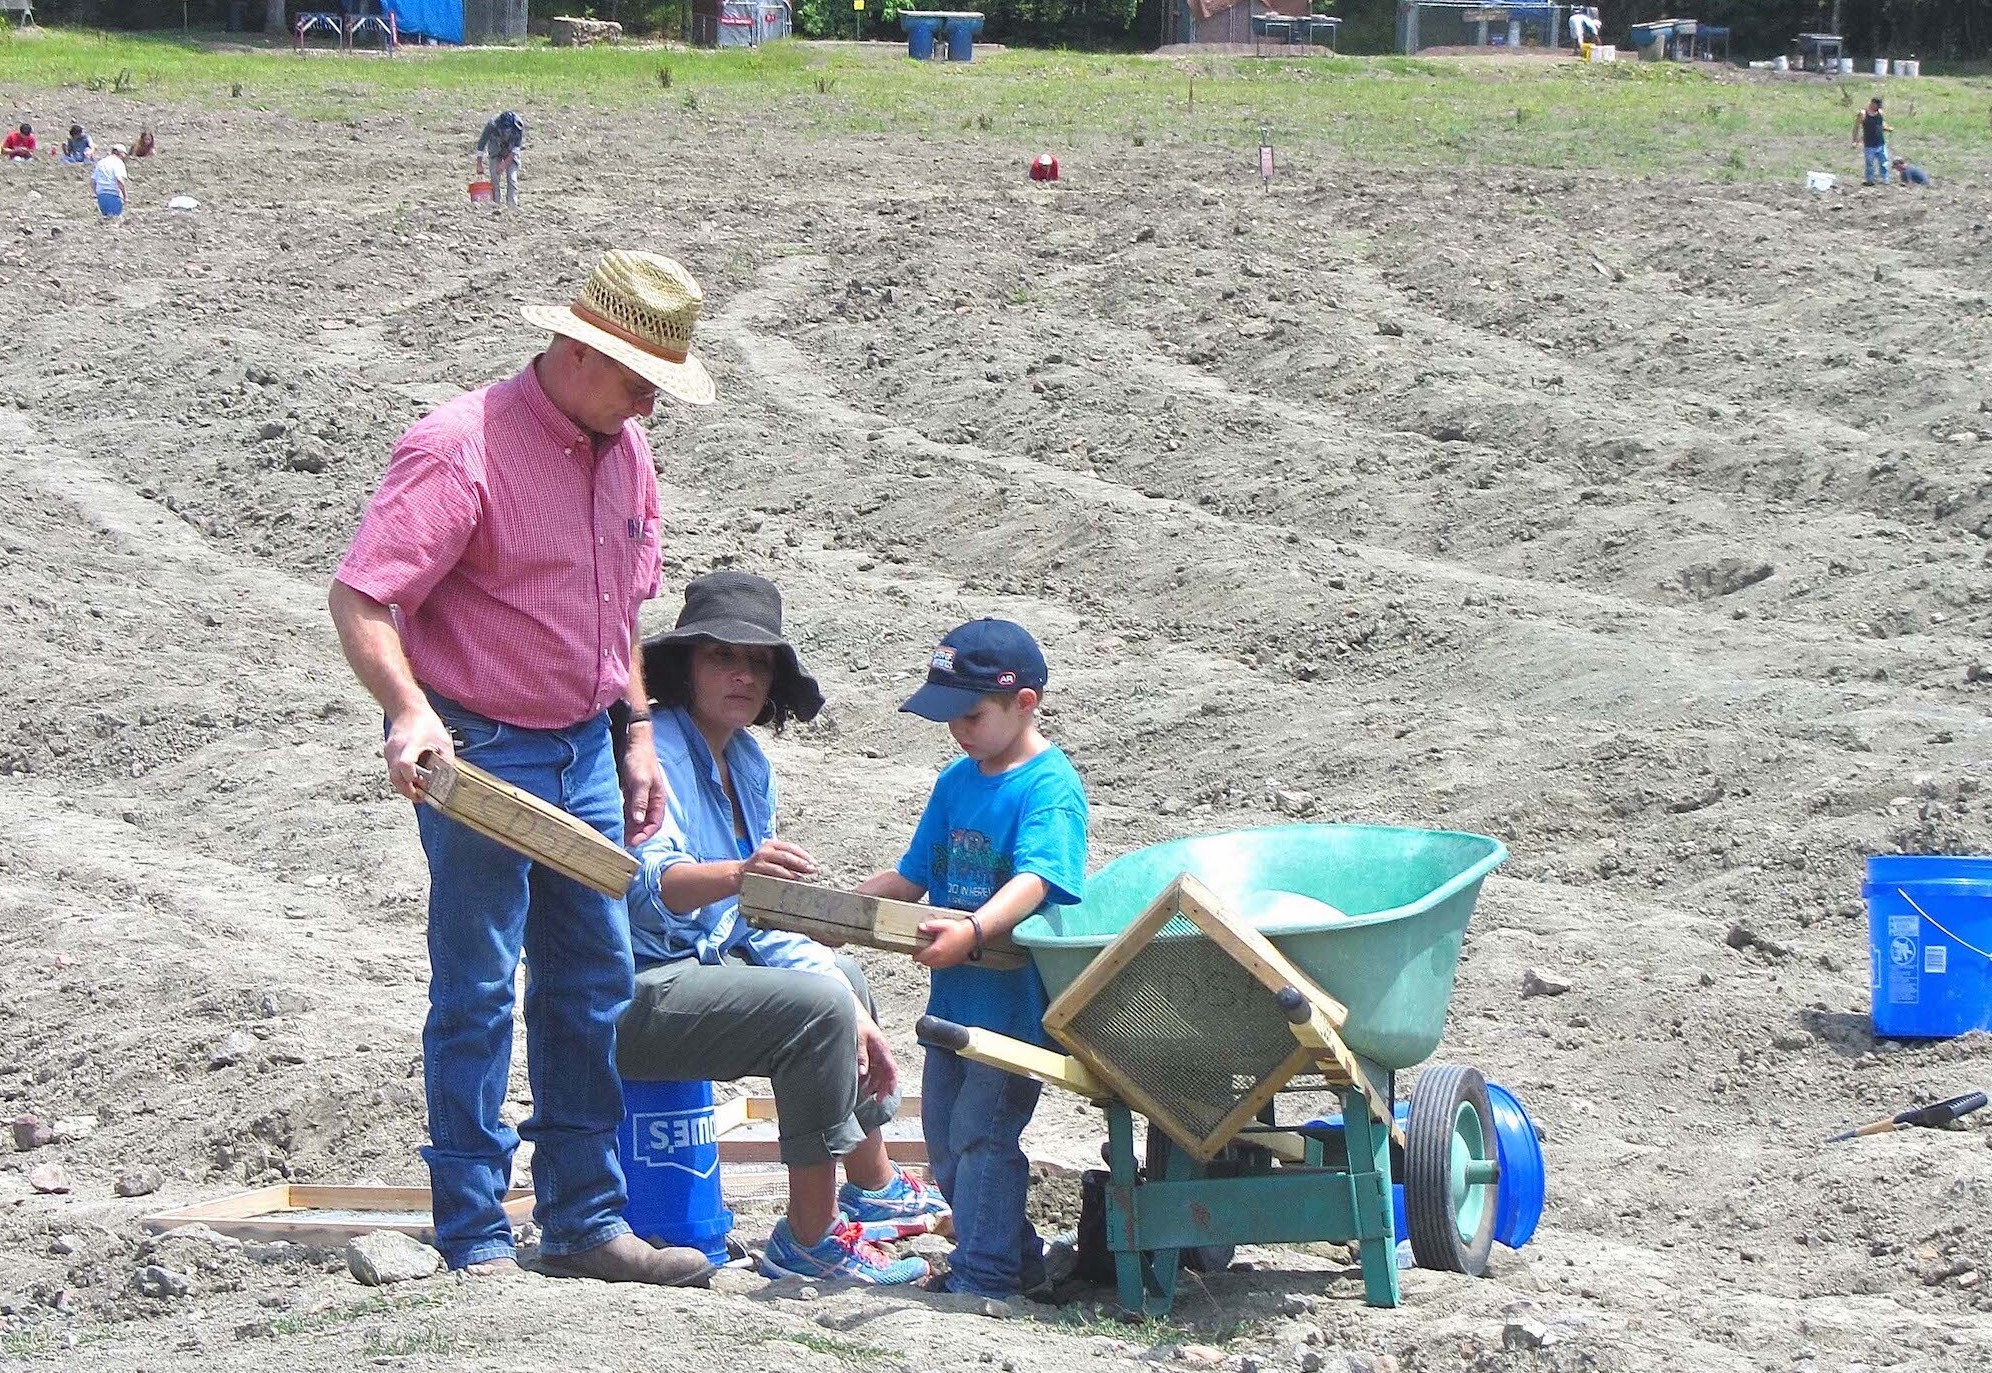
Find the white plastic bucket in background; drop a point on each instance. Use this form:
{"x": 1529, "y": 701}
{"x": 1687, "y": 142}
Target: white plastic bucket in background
{"x": 1846, "y": 66}
{"x": 1898, "y": 67}
{"x": 1779, "y": 64}
{"x": 1915, "y": 67}
{"x": 1819, "y": 181}
{"x": 1604, "y": 52}
{"x": 1881, "y": 66}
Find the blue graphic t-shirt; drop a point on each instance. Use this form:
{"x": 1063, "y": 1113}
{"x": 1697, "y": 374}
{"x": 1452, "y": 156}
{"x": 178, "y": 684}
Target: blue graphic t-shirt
{"x": 976, "y": 834}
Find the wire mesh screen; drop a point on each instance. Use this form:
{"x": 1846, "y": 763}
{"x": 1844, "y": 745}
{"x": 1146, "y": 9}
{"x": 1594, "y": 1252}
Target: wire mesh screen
{"x": 1189, "y": 1028}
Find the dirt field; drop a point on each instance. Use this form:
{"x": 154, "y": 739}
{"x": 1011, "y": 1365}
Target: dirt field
{"x": 1642, "y": 525}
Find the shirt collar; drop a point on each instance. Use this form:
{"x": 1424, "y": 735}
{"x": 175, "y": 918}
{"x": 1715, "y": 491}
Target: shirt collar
{"x": 564, "y": 431}
{"x": 743, "y": 754}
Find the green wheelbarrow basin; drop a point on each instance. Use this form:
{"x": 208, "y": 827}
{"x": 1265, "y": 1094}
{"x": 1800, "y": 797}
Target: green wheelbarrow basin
{"x": 1405, "y": 897}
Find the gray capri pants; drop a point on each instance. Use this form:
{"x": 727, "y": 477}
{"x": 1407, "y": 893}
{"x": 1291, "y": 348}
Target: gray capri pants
{"x": 692, "y": 1021}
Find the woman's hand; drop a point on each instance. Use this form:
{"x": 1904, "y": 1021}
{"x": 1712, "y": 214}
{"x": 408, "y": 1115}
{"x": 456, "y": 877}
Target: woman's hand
{"x": 779, "y": 858}
{"x": 954, "y": 940}
{"x": 878, "y": 1075}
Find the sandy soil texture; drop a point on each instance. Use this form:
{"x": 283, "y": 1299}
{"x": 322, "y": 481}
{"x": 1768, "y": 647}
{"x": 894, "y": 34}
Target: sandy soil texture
{"x": 1642, "y": 525}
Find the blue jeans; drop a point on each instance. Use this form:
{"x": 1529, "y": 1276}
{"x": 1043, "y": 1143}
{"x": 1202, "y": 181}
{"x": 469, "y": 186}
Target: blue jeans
{"x": 974, "y": 1118}
{"x": 487, "y": 905}
{"x": 1874, "y": 164}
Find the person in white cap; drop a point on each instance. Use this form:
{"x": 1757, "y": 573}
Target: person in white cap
{"x": 489, "y": 602}
{"x": 107, "y": 179}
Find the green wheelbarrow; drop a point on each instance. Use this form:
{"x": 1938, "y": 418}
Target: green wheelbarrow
{"x": 1202, "y": 977}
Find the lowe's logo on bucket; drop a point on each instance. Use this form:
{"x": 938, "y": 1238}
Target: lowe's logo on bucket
{"x": 675, "y": 1139}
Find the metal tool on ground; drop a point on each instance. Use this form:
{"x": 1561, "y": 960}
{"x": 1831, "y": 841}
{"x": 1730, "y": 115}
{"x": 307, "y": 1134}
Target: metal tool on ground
{"x": 836, "y": 917}
{"x": 1932, "y": 1117}
{"x": 525, "y": 824}
{"x": 1177, "y": 1007}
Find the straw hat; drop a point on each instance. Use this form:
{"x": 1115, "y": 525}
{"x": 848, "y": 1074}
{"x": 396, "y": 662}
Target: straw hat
{"x": 638, "y": 308}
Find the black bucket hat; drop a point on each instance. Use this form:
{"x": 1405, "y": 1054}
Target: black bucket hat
{"x": 729, "y": 607}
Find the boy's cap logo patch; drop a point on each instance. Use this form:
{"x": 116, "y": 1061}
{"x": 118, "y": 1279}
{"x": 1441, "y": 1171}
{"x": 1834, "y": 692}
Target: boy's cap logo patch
{"x": 943, "y": 659}
{"x": 1006, "y": 679}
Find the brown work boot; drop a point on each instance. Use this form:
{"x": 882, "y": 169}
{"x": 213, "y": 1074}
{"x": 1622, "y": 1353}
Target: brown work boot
{"x": 492, "y": 1268}
{"x": 628, "y": 1259}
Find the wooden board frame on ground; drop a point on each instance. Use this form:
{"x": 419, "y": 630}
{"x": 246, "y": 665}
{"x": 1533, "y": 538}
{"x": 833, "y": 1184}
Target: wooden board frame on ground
{"x": 319, "y": 1216}
{"x": 839, "y": 917}
{"x": 729, "y": 1117}
{"x": 1318, "y": 1046}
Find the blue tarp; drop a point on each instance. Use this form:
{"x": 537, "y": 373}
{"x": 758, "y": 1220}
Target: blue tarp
{"x": 441, "y": 20}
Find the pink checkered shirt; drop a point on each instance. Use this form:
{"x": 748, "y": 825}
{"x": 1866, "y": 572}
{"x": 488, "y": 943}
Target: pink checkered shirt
{"x": 514, "y": 554}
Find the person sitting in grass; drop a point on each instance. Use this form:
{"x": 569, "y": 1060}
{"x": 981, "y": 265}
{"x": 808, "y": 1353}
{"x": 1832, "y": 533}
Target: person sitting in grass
{"x": 718, "y": 999}
{"x": 20, "y": 144}
{"x": 78, "y": 147}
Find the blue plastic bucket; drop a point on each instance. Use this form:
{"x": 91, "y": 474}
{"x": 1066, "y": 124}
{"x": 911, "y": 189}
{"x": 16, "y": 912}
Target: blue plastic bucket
{"x": 920, "y": 37}
{"x": 1524, "y": 1180}
{"x": 670, "y": 1158}
{"x": 1929, "y": 944}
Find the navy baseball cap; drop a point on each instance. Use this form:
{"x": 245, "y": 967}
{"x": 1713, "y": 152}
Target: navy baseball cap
{"x": 980, "y": 658}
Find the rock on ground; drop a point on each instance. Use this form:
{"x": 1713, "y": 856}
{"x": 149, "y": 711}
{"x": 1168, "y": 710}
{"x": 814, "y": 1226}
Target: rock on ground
{"x": 388, "y": 1256}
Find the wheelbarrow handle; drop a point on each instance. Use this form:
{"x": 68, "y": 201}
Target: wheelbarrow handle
{"x": 1012, "y": 1056}
{"x": 1294, "y": 1006}
{"x": 941, "y": 1034}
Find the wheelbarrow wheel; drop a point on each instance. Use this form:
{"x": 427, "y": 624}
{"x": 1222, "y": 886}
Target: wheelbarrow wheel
{"x": 1451, "y": 1170}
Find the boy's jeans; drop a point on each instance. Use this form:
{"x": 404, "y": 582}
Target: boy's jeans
{"x": 505, "y": 182}
{"x": 1874, "y": 165}
{"x": 487, "y": 904}
{"x": 974, "y": 1118}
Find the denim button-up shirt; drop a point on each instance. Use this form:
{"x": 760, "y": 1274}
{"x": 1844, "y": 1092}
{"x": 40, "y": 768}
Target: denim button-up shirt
{"x": 698, "y": 828}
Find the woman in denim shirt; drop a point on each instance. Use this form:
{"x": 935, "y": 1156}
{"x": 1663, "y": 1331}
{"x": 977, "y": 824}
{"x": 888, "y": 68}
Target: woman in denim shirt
{"x": 717, "y": 999}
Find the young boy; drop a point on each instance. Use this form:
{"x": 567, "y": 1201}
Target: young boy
{"x": 1004, "y": 833}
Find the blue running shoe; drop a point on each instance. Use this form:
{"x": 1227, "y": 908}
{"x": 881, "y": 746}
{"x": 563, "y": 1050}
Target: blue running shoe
{"x": 904, "y": 1207}
{"x": 843, "y": 1255}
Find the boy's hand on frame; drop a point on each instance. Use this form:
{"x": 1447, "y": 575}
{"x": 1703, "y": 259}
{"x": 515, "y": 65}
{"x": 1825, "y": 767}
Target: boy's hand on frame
{"x": 954, "y": 941}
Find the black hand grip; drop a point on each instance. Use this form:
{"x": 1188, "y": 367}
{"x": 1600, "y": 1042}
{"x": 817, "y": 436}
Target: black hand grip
{"x": 1943, "y": 1112}
{"x": 1295, "y": 1006}
{"x": 941, "y": 1034}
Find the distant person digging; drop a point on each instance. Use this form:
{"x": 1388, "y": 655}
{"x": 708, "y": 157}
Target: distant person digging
{"x": 1908, "y": 173}
{"x": 78, "y": 146}
{"x": 107, "y": 181}
{"x": 498, "y": 151}
{"x": 1871, "y": 133}
{"x": 20, "y": 144}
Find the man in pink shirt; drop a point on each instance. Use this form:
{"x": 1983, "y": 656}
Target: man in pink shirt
{"x": 489, "y": 602}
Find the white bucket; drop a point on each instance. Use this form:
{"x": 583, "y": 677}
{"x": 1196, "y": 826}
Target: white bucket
{"x": 1915, "y": 67}
{"x": 1881, "y": 66}
{"x": 1819, "y": 181}
{"x": 1604, "y": 52}
{"x": 1899, "y": 67}
{"x": 1846, "y": 66}
{"x": 1779, "y": 64}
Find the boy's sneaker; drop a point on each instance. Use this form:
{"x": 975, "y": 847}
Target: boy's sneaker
{"x": 905, "y": 1206}
{"x": 842, "y": 1255}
